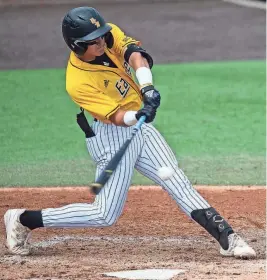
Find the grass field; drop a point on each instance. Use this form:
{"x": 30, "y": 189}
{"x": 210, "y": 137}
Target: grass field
{"x": 212, "y": 115}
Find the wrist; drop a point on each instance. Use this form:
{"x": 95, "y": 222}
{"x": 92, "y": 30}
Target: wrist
{"x": 144, "y": 76}
{"x": 146, "y": 89}
{"x": 129, "y": 118}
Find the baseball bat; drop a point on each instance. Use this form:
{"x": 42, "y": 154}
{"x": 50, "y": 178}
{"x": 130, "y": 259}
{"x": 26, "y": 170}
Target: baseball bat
{"x": 114, "y": 162}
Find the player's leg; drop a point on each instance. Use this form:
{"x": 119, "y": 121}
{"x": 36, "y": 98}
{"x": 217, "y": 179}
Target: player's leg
{"x": 157, "y": 153}
{"x": 108, "y": 204}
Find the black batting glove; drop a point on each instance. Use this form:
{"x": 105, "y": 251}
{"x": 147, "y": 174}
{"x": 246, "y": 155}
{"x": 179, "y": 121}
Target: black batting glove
{"x": 147, "y": 111}
{"x": 151, "y": 96}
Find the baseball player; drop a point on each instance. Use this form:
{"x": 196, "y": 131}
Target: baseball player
{"x": 109, "y": 76}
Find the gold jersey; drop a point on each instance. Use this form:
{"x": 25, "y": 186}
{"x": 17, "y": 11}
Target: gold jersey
{"x": 102, "y": 90}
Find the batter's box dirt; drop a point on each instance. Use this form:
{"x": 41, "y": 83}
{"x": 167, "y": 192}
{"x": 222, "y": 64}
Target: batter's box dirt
{"x": 152, "y": 233}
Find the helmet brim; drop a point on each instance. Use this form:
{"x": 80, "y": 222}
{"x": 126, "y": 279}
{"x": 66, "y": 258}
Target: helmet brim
{"x": 97, "y": 33}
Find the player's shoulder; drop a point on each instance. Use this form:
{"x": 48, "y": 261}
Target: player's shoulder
{"x": 113, "y": 26}
{"x": 115, "y": 29}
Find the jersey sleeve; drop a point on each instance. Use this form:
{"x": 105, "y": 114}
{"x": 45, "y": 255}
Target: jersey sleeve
{"x": 95, "y": 102}
{"x": 121, "y": 40}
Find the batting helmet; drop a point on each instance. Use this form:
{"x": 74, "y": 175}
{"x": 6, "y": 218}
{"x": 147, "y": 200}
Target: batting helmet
{"x": 81, "y": 25}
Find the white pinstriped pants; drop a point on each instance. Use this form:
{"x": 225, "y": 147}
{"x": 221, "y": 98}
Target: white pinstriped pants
{"x": 147, "y": 152}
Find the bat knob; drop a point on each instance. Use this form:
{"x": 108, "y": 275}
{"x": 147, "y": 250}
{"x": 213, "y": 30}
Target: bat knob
{"x": 96, "y": 188}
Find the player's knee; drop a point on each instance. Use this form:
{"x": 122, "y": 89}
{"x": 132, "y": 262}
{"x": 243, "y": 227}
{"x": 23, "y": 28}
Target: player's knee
{"x": 108, "y": 220}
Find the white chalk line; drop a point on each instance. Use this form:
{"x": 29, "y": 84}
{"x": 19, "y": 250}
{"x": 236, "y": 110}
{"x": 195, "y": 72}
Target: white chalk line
{"x": 248, "y": 3}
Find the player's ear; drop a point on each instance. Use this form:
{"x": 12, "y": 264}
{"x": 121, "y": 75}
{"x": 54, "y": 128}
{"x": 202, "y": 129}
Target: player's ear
{"x": 109, "y": 40}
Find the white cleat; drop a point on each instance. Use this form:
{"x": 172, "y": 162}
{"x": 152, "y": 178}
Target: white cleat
{"x": 238, "y": 248}
{"x": 16, "y": 234}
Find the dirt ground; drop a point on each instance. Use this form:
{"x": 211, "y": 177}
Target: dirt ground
{"x": 152, "y": 233}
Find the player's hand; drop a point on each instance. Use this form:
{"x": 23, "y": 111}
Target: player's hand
{"x": 151, "y": 96}
{"x": 147, "y": 111}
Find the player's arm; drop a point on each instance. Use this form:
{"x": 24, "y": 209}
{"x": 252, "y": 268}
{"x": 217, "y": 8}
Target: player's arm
{"x": 129, "y": 118}
{"x": 151, "y": 96}
{"x": 141, "y": 62}
{"x": 132, "y": 52}
{"x": 136, "y": 60}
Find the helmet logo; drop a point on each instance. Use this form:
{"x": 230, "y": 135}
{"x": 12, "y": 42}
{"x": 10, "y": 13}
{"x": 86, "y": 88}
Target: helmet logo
{"x": 95, "y": 22}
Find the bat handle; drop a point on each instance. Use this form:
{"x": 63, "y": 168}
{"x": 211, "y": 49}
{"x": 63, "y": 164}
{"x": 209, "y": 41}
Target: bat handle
{"x": 139, "y": 124}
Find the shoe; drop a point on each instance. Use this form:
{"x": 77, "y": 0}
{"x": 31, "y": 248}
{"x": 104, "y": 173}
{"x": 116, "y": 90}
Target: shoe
{"x": 238, "y": 248}
{"x": 16, "y": 234}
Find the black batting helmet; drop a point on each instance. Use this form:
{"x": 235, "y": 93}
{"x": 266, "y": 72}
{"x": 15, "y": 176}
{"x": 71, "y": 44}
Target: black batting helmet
{"x": 81, "y": 25}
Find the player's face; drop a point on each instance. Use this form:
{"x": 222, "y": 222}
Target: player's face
{"x": 96, "y": 47}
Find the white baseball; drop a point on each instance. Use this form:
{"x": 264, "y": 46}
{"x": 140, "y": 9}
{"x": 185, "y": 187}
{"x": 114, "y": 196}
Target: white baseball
{"x": 165, "y": 172}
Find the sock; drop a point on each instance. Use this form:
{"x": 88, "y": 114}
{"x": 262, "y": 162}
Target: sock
{"x": 32, "y": 219}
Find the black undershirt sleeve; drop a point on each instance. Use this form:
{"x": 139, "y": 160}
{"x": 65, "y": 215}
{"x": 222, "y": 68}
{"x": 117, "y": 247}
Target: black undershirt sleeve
{"x": 134, "y": 48}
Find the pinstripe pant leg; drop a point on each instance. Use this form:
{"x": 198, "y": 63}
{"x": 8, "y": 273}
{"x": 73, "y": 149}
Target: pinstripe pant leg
{"x": 157, "y": 153}
{"x": 109, "y": 203}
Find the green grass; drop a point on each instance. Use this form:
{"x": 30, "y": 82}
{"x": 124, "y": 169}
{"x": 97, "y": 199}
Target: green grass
{"x": 212, "y": 115}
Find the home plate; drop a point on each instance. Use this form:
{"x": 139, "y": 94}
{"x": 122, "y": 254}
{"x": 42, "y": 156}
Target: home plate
{"x": 147, "y": 274}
